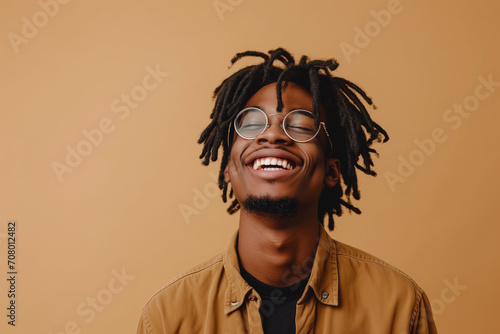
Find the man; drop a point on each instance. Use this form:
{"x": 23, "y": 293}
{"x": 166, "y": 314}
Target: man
{"x": 291, "y": 134}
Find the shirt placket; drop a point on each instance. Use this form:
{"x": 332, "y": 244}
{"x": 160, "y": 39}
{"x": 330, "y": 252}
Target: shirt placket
{"x": 253, "y": 302}
{"x": 305, "y": 315}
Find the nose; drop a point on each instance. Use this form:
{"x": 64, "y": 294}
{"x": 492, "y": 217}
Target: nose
{"x": 274, "y": 133}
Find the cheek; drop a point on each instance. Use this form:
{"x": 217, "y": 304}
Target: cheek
{"x": 315, "y": 170}
{"x": 314, "y": 162}
{"x": 233, "y": 171}
{"x": 229, "y": 171}
{"x": 238, "y": 184}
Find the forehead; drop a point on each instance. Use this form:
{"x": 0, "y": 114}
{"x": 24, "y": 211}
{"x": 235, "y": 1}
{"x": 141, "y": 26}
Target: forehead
{"x": 294, "y": 97}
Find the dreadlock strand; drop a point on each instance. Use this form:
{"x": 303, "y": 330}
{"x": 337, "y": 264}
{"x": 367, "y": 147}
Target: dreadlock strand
{"x": 279, "y": 54}
{"x": 314, "y": 81}
{"x": 365, "y": 170}
{"x": 376, "y": 129}
{"x": 282, "y": 84}
{"x": 382, "y": 131}
{"x": 358, "y": 90}
{"x": 224, "y": 192}
{"x": 331, "y": 223}
{"x": 368, "y": 123}
{"x": 332, "y": 66}
{"x": 350, "y": 207}
{"x": 240, "y": 55}
{"x": 282, "y": 53}
{"x": 234, "y": 207}
{"x": 303, "y": 61}
{"x": 243, "y": 90}
{"x": 232, "y": 94}
{"x": 218, "y": 88}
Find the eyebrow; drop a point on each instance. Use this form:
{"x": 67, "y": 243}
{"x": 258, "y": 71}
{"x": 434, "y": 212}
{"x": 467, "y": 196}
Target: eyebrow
{"x": 290, "y": 109}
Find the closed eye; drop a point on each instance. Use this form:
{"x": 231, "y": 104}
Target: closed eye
{"x": 300, "y": 129}
{"x": 252, "y": 126}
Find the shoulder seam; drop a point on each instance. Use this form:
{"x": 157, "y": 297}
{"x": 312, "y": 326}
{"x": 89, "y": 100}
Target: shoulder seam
{"x": 376, "y": 260}
{"x": 147, "y": 322}
{"x": 416, "y": 307}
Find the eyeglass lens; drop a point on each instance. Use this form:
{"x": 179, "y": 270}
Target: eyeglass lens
{"x": 298, "y": 124}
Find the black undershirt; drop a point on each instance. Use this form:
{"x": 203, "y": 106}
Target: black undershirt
{"x": 278, "y": 306}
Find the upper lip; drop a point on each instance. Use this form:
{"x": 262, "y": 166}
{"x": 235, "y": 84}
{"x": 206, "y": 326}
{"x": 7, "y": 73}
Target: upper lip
{"x": 272, "y": 152}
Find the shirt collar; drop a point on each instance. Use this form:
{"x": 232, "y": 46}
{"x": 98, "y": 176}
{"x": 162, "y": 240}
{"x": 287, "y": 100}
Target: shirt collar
{"x": 237, "y": 287}
{"x": 323, "y": 281}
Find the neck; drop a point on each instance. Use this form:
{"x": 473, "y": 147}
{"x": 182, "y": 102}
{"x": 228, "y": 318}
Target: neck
{"x": 277, "y": 251}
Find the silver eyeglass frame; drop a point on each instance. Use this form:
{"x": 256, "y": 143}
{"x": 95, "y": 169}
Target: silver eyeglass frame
{"x": 282, "y": 125}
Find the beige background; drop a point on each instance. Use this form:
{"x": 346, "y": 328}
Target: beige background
{"x": 120, "y": 208}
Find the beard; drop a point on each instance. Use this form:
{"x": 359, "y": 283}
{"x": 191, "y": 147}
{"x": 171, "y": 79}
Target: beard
{"x": 267, "y": 206}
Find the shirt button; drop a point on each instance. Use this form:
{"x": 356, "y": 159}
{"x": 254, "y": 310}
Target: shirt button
{"x": 253, "y": 298}
{"x": 235, "y": 303}
{"x": 324, "y": 295}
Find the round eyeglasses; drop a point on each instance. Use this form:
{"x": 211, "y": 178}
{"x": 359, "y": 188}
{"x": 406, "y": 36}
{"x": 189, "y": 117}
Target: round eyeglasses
{"x": 298, "y": 124}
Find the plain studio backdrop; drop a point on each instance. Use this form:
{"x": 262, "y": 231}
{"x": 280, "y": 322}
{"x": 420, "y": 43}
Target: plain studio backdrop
{"x": 103, "y": 102}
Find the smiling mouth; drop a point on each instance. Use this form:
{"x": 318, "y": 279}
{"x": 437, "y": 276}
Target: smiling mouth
{"x": 272, "y": 163}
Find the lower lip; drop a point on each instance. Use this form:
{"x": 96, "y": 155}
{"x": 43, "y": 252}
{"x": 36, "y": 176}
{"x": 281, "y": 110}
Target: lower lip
{"x": 272, "y": 174}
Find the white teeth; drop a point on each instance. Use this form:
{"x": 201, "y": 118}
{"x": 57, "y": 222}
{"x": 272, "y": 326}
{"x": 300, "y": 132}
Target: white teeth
{"x": 271, "y": 164}
{"x": 256, "y": 164}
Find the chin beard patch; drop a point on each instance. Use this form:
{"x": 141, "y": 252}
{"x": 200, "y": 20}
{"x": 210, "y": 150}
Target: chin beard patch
{"x": 282, "y": 207}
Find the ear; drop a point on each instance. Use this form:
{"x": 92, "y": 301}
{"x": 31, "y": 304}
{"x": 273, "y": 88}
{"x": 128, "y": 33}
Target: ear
{"x": 227, "y": 178}
{"x": 332, "y": 174}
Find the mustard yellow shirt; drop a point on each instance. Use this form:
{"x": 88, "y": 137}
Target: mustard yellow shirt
{"x": 349, "y": 291}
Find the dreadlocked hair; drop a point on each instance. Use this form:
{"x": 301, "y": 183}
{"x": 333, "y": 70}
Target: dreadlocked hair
{"x": 351, "y": 129}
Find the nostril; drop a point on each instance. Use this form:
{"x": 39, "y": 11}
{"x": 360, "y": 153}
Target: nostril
{"x": 274, "y": 134}
{"x": 279, "y": 140}
{"x": 262, "y": 140}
